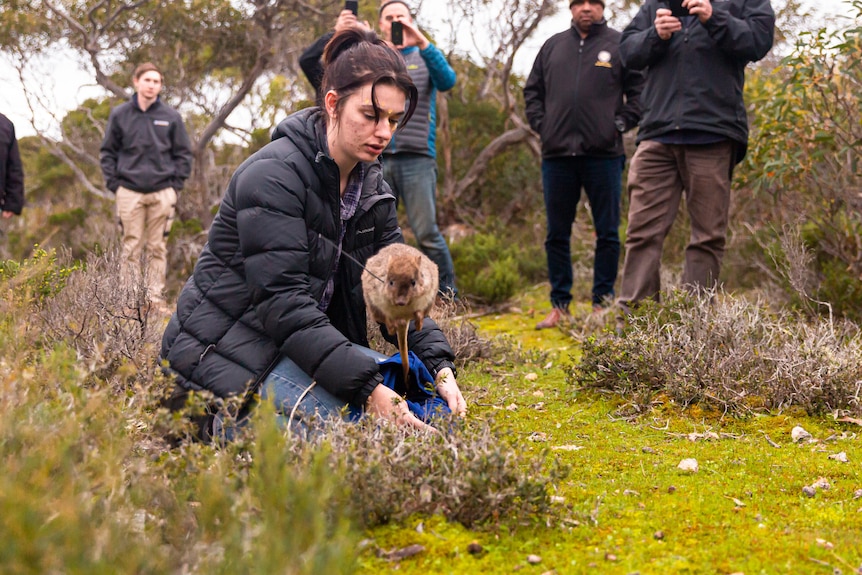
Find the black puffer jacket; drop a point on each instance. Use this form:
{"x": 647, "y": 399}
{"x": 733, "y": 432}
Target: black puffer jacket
{"x": 254, "y": 292}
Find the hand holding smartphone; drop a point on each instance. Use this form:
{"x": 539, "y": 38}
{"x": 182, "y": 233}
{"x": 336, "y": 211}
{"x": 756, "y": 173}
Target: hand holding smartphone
{"x": 397, "y": 33}
{"x": 676, "y": 9}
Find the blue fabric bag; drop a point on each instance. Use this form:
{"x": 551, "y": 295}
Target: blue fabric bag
{"x": 421, "y": 397}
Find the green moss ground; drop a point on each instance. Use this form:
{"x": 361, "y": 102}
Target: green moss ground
{"x": 743, "y": 512}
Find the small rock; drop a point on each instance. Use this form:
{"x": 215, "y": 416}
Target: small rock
{"x": 567, "y": 447}
{"x": 840, "y": 456}
{"x": 531, "y": 376}
{"x": 821, "y": 483}
{"x": 512, "y": 406}
{"x": 610, "y": 557}
{"x": 688, "y": 465}
{"x": 421, "y": 527}
{"x": 426, "y": 494}
{"x": 857, "y": 494}
{"x": 402, "y": 553}
{"x": 809, "y": 491}
{"x": 671, "y": 489}
{"x": 538, "y": 436}
{"x": 538, "y": 393}
{"x": 824, "y": 543}
{"x": 534, "y": 559}
{"x": 558, "y": 499}
{"x": 799, "y": 434}
{"x": 658, "y": 535}
{"x": 631, "y": 492}
{"x": 647, "y": 449}
{"x": 474, "y": 548}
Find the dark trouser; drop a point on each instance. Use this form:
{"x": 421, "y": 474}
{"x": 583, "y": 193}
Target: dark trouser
{"x": 562, "y": 179}
{"x": 658, "y": 175}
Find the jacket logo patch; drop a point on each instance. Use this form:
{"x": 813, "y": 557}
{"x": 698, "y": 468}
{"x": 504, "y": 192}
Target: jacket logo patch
{"x": 603, "y": 60}
{"x": 161, "y": 123}
{"x": 412, "y": 66}
{"x": 365, "y": 231}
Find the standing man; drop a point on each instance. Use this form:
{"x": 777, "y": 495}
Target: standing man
{"x": 580, "y": 99}
{"x": 694, "y": 131}
{"x": 410, "y": 161}
{"x": 11, "y": 171}
{"x": 146, "y": 158}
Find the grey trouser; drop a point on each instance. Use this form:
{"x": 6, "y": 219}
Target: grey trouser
{"x": 658, "y": 175}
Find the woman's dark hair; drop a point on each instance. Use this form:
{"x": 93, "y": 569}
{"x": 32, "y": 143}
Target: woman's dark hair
{"x": 355, "y": 57}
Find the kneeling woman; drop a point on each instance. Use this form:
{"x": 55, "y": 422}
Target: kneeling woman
{"x": 275, "y": 299}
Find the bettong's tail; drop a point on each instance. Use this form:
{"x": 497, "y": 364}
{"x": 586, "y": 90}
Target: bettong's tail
{"x": 401, "y": 332}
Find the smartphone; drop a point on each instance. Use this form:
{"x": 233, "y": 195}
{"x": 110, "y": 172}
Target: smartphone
{"x": 352, "y": 5}
{"x": 676, "y": 8}
{"x": 397, "y": 33}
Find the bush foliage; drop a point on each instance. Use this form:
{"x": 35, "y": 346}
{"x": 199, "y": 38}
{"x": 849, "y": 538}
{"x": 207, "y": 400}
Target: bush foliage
{"x": 90, "y": 485}
{"x": 728, "y": 355}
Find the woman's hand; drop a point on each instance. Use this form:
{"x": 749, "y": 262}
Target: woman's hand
{"x": 385, "y": 403}
{"x": 448, "y": 389}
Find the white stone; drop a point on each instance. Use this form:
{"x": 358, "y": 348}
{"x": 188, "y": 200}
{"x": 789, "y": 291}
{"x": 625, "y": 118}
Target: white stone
{"x": 799, "y": 434}
{"x": 840, "y": 456}
{"x": 688, "y": 465}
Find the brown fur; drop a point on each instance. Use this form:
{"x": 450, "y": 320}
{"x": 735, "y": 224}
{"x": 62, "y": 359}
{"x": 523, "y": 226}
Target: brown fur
{"x": 407, "y": 291}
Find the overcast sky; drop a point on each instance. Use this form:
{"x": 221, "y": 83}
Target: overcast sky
{"x": 67, "y": 82}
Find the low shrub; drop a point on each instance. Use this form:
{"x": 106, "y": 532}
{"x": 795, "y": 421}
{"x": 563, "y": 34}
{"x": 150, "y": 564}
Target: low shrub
{"x": 491, "y": 269}
{"x": 727, "y": 354}
{"x": 469, "y": 473}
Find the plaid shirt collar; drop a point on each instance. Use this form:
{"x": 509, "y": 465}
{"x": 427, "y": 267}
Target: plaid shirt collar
{"x": 349, "y": 203}
{"x": 350, "y": 199}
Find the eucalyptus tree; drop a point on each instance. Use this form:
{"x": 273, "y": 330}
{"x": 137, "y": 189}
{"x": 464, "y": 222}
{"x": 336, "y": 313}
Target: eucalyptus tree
{"x": 217, "y": 57}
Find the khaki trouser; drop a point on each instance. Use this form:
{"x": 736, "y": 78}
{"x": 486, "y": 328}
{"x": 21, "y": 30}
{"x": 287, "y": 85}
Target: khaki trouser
{"x": 658, "y": 175}
{"x": 145, "y": 220}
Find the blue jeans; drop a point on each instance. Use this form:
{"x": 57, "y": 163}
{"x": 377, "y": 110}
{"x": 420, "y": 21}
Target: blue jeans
{"x": 284, "y": 386}
{"x": 413, "y": 179}
{"x": 562, "y": 180}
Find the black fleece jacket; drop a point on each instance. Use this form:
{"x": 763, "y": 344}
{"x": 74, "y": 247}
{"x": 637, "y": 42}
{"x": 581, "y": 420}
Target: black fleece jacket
{"x": 579, "y": 97}
{"x": 11, "y": 169}
{"x": 145, "y": 151}
{"x": 254, "y": 292}
{"x": 695, "y": 79}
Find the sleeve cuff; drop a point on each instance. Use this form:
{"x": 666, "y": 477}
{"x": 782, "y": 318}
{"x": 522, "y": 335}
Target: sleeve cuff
{"x": 361, "y": 397}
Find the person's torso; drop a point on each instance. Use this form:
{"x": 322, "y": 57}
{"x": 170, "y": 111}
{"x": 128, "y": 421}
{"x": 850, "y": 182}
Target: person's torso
{"x": 583, "y": 82}
{"x": 695, "y": 86}
{"x": 418, "y": 136}
{"x": 216, "y": 307}
{"x": 145, "y": 159}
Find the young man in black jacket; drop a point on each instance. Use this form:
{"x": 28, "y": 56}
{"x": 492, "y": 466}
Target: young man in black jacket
{"x": 146, "y": 157}
{"x": 694, "y": 130}
{"x": 581, "y": 99}
{"x": 11, "y": 171}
